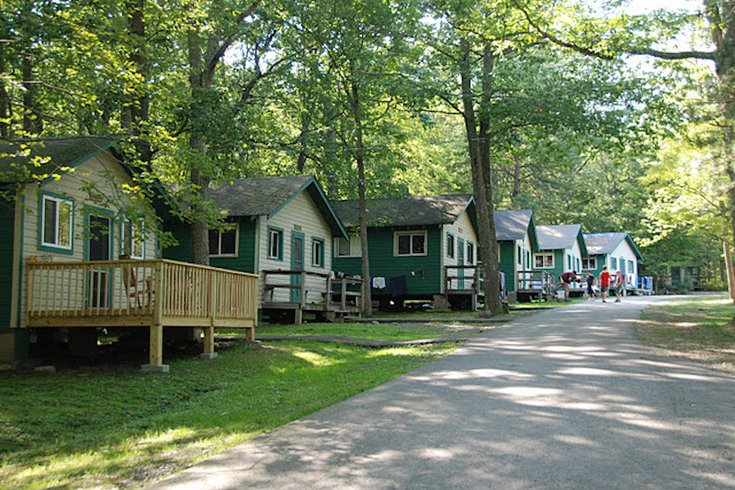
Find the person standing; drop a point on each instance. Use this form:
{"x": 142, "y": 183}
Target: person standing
{"x": 590, "y": 285}
{"x": 567, "y": 279}
{"x": 618, "y": 285}
{"x": 604, "y": 283}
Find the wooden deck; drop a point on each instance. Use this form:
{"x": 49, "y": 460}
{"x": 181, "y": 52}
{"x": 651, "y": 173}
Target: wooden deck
{"x": 302, "y": 291}
{"x": 141, "y": 293}
{"x": 535, "y": 285}
{"x": 464, "y": 283}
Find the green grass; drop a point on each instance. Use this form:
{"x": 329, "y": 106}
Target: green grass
{"x": 382, "y": 331}
{"x": 699, "y": 328}
{"x": 116, "y": 427}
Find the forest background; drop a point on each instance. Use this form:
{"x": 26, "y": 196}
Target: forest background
{"x": 581, "y": 111}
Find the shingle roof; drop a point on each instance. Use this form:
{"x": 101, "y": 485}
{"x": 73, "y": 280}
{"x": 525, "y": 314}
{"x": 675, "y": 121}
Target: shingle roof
{"x": 258, "y": 196}
{"x": 18, "y": 158}
{"x": 558, "y": 237}
{"x": 606, "y": 243}
{"x": 409, "y": 211}
{"x": 265, "y": 196}
{"x": 512, "y": 224}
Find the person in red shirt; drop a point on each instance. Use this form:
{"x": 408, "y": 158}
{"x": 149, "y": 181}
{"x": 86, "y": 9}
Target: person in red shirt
{"x": 604, "y": 283}
{"x": 566, "y": 282}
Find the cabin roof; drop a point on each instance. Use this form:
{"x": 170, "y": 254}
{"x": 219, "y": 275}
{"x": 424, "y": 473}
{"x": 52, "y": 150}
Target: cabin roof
{"x": 559, "y": 237}
{"x": 21, "y": 159}
{"x": 513, "y": 224}
{"x": 606, "y": 243}
{"x": 265, "y": 196}
{"x": 408, "y": 211}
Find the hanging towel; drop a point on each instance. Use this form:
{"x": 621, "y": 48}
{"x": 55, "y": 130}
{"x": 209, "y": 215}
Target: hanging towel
{"x": 378, "y": 283}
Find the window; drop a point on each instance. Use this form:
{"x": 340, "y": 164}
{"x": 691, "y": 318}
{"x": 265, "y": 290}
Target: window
{"x": 519, "y": 254}
{"x": 56, "y": 222}
{"x": 317, "y": 252}
{"x": 132, "y": 239}
{"x": 528, "y": 260}
{"x": 275, "y": 243}
{"x": 223, "y": 243}
{"x": 569, "y": 262}
{"x": 578, "y": 264}
{"x": 347, "y": 247}
{"x": 631, "y": 267}
{"x": 543, "y": 261}
{"x": 410, "y": 243}
{"x": 614, "y": 264}
{"x": 450, "y": 245}
{"x": 470, "y": 253}
{"x": 622, "y": 265}
{"x": 589, "y": 264}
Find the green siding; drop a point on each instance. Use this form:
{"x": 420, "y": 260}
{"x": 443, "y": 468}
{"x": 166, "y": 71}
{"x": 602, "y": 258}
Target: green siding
{"x": 7, "y": 227}
{"x": 384, "y": 264}
{"x": 244, "y": 262}
{"x": 508, "y": 264}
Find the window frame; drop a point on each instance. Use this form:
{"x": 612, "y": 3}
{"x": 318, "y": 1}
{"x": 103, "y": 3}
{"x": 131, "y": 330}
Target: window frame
{"x": 544, "y": 254}
{"x": 126, "y": 225}
{"x": 470, "y": 253}
{"x": 396, "y": 238}
{"x": 321, "y": 263}
{"x": 219, "y": 253}
{"x": 50, "y": 246}
{"x": 351, "y": 242}
{"x": 590, "y": 260}
{"x": 451, "y": 246}
{"x": 279, "y": 233}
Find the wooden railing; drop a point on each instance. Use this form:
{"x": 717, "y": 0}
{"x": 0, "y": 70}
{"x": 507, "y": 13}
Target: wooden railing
{"x": 540, "y": 281}
{"x": 463, "y": 278}
{"x": 138, "y": 292}
{"x": 312, "y": 288}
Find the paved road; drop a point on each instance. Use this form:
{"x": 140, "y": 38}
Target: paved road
{"x": 563, "y": 399}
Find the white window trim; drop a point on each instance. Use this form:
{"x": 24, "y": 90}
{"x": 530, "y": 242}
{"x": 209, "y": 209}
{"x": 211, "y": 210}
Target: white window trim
{"x": 320, "y": 256}
{"x": 553, "y": 260}
{"x": 58, "y": 200}
{"x": 352, "y": 242}
{"x": 278, "y": 234}
{"x": 451, "y": 237}
{"x": 123, "y": 238}
{"x": 470, "y": 260}
{"x": 588, "y": 268}
{"x": 219, "y": 244}
{"x": 410, "y": 233}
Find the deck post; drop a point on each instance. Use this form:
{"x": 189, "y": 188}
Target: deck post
{"x": 209, "y": 352}
{"x": 328, "y": 294}
{"x": 155, "y": 354}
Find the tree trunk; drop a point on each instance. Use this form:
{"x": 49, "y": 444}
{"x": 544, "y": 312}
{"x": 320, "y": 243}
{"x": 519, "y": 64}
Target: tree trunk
{"x": 488, "y": 250}
{"x": 492, "y": 278}
{"x": 729, "y": 269}
{"x": 135, "y": 111}
{"x": 516, "y": 179}
{"x": 4, "y": 97}
{"x": 31, "y": 120}
{"x": 199, "y": 227}
{"x": 360, "y": 161}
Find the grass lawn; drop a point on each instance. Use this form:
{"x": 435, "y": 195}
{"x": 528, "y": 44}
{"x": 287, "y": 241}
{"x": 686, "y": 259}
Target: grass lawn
{"x": 698, "y": 328}
{"x": 382, "y": 331}
{"x": 107, "y": 427}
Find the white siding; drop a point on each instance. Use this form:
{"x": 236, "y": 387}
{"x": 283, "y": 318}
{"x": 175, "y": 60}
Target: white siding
{"x": 462, "y": 229}
{"x": 301, "y": 215}
{"x": 97, "y": 182}
{"x": 624, "y": 250}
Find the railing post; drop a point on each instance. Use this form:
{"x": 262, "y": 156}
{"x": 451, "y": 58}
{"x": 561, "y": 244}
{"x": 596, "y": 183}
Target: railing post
{"x": 155, "y": 354}
{"x": 328, "y": 295}
{"x": 343, "y": 294}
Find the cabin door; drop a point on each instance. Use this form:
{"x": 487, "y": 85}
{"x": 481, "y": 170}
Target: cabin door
{"x": 297, "y": 263}
{"x": 460, "y": 263}
{"x": 99, "y": 241}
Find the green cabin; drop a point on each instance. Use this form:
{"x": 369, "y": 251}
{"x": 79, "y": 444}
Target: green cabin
{"x": 515, "y": 231}
{"x": 420, "y": 248}
{"x": 617, "y": 251}
{"x": 63, "y": 199}
{"x": 282, "y": 229}
{"x": 561, "y": 249}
